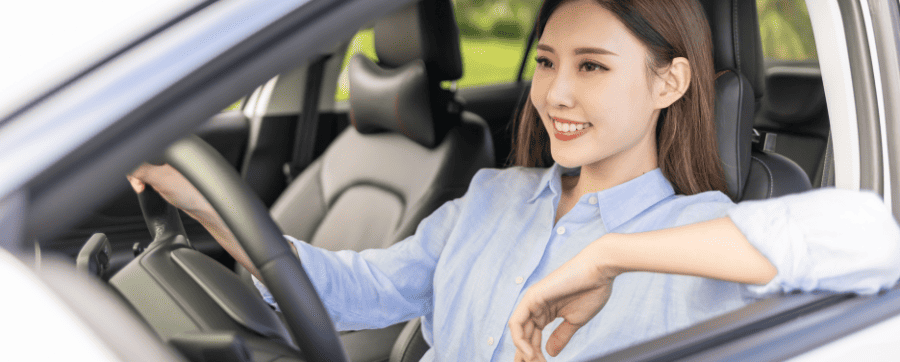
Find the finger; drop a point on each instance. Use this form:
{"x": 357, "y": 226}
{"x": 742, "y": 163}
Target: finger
{"x": 560, "y": 337}
{"x": 136, "y": 184}
{"x": 536, "y": 346}
{"x": 521, "y": 337}
{"x": 520, "y": 329}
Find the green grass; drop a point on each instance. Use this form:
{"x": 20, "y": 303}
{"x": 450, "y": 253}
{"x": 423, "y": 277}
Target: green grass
{"x": 485, "y": 61}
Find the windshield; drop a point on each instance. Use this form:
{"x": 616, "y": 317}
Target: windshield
{"x": 49, "y": 42}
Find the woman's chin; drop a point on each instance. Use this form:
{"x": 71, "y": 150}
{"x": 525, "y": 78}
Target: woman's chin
{"x": 566, "y": 160}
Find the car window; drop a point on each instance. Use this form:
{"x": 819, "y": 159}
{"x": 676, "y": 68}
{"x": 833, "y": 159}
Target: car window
{"x": 363, "y": 43}
{"x": 235, "y": 106}
{"x": 492, "y": 39}
{"x": 786, "y": 30}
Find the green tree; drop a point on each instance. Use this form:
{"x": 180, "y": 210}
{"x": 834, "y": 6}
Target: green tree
{"x": 785, "y": 30}
{"x": 507, "y": 19}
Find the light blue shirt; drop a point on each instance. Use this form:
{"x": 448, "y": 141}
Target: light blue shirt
{"x": 470, "y": 262}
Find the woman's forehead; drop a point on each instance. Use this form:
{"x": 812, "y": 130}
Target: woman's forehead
{"x": 585, "y": 23}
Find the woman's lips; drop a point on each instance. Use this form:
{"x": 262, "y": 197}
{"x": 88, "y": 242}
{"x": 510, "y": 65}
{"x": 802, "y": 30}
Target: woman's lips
{"x": 566, "y": 130}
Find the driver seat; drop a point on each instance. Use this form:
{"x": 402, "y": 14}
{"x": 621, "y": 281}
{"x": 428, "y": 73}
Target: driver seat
{"x": 411, "y": 149}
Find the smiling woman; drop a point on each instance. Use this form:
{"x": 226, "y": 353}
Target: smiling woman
{"x": 674, "y": 87}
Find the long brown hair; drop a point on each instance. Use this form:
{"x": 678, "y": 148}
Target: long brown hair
{"x": 685, "y": 131}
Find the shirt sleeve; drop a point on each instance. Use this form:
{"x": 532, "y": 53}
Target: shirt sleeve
{"x": 828, "y": 240}
{"x": 378, "y": 287}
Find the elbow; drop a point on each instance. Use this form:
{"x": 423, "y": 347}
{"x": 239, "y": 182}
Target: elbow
{"x": 769, "y": 274}
{"x": 765, "y": 274}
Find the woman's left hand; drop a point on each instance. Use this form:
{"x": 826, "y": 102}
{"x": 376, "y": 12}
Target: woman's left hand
{"x": 575, "y": 292}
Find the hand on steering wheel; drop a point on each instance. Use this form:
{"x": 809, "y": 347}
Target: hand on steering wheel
{"x": 209, "y": 183}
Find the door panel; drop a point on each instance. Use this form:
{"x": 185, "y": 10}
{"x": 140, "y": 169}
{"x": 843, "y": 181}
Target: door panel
{"x": 794, "y": 110}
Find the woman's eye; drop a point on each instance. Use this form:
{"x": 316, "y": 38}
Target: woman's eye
{"x": 590, "y": 67}
{"x": 543, "y": 62}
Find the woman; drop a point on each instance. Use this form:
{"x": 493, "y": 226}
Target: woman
{"x": 605, "y": 76}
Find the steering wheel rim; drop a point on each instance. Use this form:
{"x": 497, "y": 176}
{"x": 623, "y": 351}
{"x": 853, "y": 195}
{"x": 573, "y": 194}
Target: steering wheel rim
{"x": 249, "y": 219}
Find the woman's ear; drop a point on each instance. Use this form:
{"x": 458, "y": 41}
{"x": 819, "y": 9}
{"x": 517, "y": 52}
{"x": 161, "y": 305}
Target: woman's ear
{"x": 673, "y": 82}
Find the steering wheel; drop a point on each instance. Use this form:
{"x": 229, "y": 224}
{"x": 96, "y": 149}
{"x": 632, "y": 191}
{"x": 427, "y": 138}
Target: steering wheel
{"x": 262, "y": 240}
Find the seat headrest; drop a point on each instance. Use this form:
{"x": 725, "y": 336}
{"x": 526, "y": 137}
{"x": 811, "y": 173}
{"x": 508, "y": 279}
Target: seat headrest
{"x": 393, "y": 100}
{"x": 424, "y": 30}
{"x": 736, "y": 39}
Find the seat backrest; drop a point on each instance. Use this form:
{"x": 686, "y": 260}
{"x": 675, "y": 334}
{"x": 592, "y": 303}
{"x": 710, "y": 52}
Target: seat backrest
{"x": 410, "y": 149}
{"x": 740, "y": 84}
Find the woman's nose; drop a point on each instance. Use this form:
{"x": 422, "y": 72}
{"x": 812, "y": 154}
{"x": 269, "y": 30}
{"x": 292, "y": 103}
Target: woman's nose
{"x": 560, "y": 93}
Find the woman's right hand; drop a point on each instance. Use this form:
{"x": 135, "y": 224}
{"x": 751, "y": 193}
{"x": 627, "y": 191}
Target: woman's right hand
{"x": 178, "y": 191}
{"x": 173, "y": 187}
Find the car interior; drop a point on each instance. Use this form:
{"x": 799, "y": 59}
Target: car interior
{"x": 362, "y": 173}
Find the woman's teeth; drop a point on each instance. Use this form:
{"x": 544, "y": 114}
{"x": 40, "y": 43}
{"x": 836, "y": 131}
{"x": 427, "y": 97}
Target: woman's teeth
{"x": 570, "y": 127}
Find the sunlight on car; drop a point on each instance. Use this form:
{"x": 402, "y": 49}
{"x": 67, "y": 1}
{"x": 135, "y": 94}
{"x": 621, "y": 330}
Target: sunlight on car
{"x": 69, "y": 37}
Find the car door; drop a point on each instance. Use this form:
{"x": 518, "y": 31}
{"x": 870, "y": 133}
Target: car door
{"x": 858, "y": 62}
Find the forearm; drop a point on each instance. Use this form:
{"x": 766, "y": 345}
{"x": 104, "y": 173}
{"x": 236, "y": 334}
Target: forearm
{"x": 712, "y": 249}
{"x": 217, "y": 228}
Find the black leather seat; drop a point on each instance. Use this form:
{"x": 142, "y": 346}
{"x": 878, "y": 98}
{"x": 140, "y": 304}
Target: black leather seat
{"x": 410, "y": 149}
{"x": 740, "y": 84}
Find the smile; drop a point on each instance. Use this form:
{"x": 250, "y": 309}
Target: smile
{"x": 568, "y": 130}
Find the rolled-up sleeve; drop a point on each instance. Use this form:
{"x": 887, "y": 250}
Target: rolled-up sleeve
{"x": 378, "y": 287}
{"x": 826, "y": 240}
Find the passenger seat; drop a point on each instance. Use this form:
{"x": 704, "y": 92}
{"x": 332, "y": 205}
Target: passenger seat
{"x": 411, "y": 148}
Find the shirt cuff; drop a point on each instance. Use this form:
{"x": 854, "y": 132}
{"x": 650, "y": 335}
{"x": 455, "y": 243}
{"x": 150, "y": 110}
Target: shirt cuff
{"x": 263, "y": 290}
{"x": 827, "y": 240}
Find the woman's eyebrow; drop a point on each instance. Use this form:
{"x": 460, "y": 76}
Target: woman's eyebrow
{"x": 579, "y": 51}
{"x": 600, "y": 51}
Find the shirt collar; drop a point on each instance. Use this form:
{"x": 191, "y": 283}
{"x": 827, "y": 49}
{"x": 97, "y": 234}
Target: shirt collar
{"x": 552, "y": 180}
{"x": 617, "y": 204}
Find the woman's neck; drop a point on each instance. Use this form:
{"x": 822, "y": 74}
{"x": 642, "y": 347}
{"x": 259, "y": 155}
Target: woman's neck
{"x": 608, "y": 173}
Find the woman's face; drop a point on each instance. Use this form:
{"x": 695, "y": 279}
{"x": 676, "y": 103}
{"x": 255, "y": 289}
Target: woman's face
{"x": 591, "y": 90}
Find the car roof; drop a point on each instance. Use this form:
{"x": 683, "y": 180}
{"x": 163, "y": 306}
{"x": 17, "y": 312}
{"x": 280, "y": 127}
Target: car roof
{"x": 55, "y": 43}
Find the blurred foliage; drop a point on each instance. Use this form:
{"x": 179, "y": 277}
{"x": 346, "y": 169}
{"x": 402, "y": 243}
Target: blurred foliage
{"x": 505, "y": 19}
{"x": 786, "y": 30}
{"x": 234, "y": 106}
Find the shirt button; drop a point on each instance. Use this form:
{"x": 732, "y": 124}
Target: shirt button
{"x": 519, "y": 280}
{"x": 490, "y": 341}
{"x": 593, "y": 200}
{"x": 561, "y": 230}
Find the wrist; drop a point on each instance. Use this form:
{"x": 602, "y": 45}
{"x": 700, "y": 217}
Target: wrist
{"x": 603, "y": 251}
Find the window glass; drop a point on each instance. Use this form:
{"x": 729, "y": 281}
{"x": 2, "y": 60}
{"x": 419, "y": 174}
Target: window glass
{"x": 363, "y": 43}
{"x": 492, "y": 38}
{"x": 234, "y": 106}
{"x": 786, "y": 30}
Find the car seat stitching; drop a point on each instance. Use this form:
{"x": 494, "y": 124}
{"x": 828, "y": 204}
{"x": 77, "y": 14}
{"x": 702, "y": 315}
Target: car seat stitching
{"x": 734, "y": 34}
{"x": 353, "y": 118}
{"x": 768, "y": 172}
{"x": 737, "y": 138}
{"x": 399, "y": 118}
